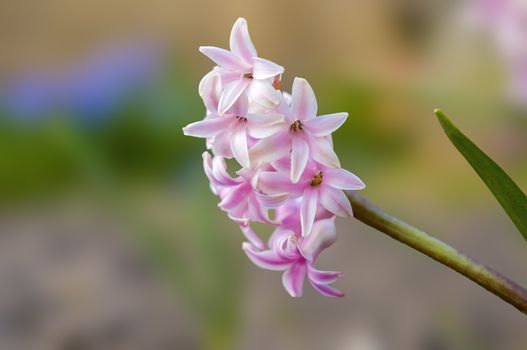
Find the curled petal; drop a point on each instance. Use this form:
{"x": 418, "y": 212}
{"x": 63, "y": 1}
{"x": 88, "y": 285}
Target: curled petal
{"x": 265, "y": 69}
{"x": 231, "y": 94}
{"x": 210, "y": 89}
{"x": 325, "y": 124}
{"x": 206, "y": 128}
{"x": 299, "y": 158}
{"x": 327, "y": 291}
{"x": 252, "y": 237}
{"x": 266, "y": 259}
{"x": 293, "y": 279}
{"x": 224, "y": 58}
{"x": 261, "y": 126}
{"x": 308, "y": 210}
{"x": 303, "y": 100}
{"x": 239, "y": 147}
{"x": 322, "y": 277}
{"x": 335, "y": 201}
{"x": 321, "y": 150}
{"x": 343, "y": 179}
{"x": 271, "y": 200}
{"x": 240, "y": 41}
{"x": 219, "y": 171}
{"x": 323, "y": 235}
{"x": 271, "y": 148}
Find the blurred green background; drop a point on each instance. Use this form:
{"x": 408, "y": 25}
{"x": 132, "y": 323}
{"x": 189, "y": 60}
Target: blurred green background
{"x": 111, "y": 239}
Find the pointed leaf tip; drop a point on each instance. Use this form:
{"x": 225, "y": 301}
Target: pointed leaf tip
{"x": 504, "y": 189}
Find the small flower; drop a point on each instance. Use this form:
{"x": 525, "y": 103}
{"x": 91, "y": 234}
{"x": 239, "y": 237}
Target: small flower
{"x": 296, "y": 256}
{"x": 242, "y": 70}
{"x": 303, "y": 134}
{"x": 228, "y": 132}
{"x": 240, "y": 197}
{"x": 318, "y": 186}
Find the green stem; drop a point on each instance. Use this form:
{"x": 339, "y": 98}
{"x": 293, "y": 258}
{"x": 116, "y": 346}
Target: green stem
{"x": 486, "y": 277}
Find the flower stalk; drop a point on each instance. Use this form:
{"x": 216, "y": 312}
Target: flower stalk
{"x": 491, "y": 280}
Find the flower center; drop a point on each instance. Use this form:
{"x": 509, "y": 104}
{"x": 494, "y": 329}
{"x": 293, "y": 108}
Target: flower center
{"x": 276, "y": 83}
{"x": 297, "y": 126}
{"x": 248, "y": 76}
{"x": 241, "y": 119}
{"x": 317, "y": 179}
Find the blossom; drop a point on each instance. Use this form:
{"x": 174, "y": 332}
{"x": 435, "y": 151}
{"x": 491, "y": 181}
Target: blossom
{"x": 296, "y": 256}
{"x": 229, "y": 131}
{"x": 242, "y": 70}
{"x": 303, "y": 133}
{"x": 286, "y": 162}
{"x": 240, "y": 197}
{"x": 319, "y": 186}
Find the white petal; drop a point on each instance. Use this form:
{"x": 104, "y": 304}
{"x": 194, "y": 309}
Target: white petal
{"x": 210, "y": 90}
{"x": 343, "y": 179}
{"x": 264, "y": 94}
{"x": 224, "y": 58}
{"x": 321, "y": 150}
{"x": 325, "y": 124}
{"x": 308, "y": 210}
{"x": 239, "y": 147}
{"x": 207, "y": 127}
{"x": 303, "y": 100}
{"x": 240, "y": 41}
{"x": 265, "y": 69}
{"x": 231, "y": 94}
{"x": 299, "y": 158}
{"x": 260, "y": 126}
{"x": 335, "y": 201}
{"x": 271, "y": 148}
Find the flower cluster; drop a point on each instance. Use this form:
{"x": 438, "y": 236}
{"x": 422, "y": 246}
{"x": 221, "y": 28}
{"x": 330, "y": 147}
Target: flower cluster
{"x": 287, "y": 162}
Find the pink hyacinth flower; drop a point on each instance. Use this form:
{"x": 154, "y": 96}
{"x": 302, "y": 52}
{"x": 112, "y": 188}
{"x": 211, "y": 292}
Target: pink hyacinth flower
{"x": 240, "y": 197}
{"x": 243, "y": 71}
{"x": 228, "y": 133}
{"x": 296, "y": 256}
{"x": 318, "y": 186}
{"x": 303, "y": 134}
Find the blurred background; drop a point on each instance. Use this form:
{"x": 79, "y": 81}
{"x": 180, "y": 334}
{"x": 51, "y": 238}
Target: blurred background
{"x": 111, "y": 239}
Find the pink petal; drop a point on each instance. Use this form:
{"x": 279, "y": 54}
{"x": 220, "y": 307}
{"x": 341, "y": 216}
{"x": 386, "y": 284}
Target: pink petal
{"x": 224, "y": 58}
{"x": 322, "y": 277}
{"x": 265, "y": 69}
{"x": 231, "y": 94}
{"x": 343, "y": 179}
{"x": 299, "y": 158}
{"x": 271, "y": 148}
{"x": 264, "y": 94}
{"x": 274, "y": 183}
{"x": 293, "y": 279}
{"x": 266, "y": 259}
{"x": 335, "y": 201}
{"x": 260, "y": 126}
{"x": 252, "y": 236}
{"x": 321, "y": 150}
{"x": 325, "y": 124}
{"x": 233, "y": 198}
{"x": 240, "y": 41}
{"x": 322, "y": 236}
{"x": 258, "y": 212}
{"x": 219, "y": 171}
{"x": 239, "y": 147}
{"x": 271, "y": 200}
{"x": 327, "y": 291}
{"x": 210, "y": 89}
{"x": 221, "y": 144}
{"x": 303, "y": 100}
{"x": 308, "y": 210}
{"x": 207, "y": 127}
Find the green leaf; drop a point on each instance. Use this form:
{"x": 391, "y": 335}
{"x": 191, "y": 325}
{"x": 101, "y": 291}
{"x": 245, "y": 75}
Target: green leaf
{"x": 508, "y": 194}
